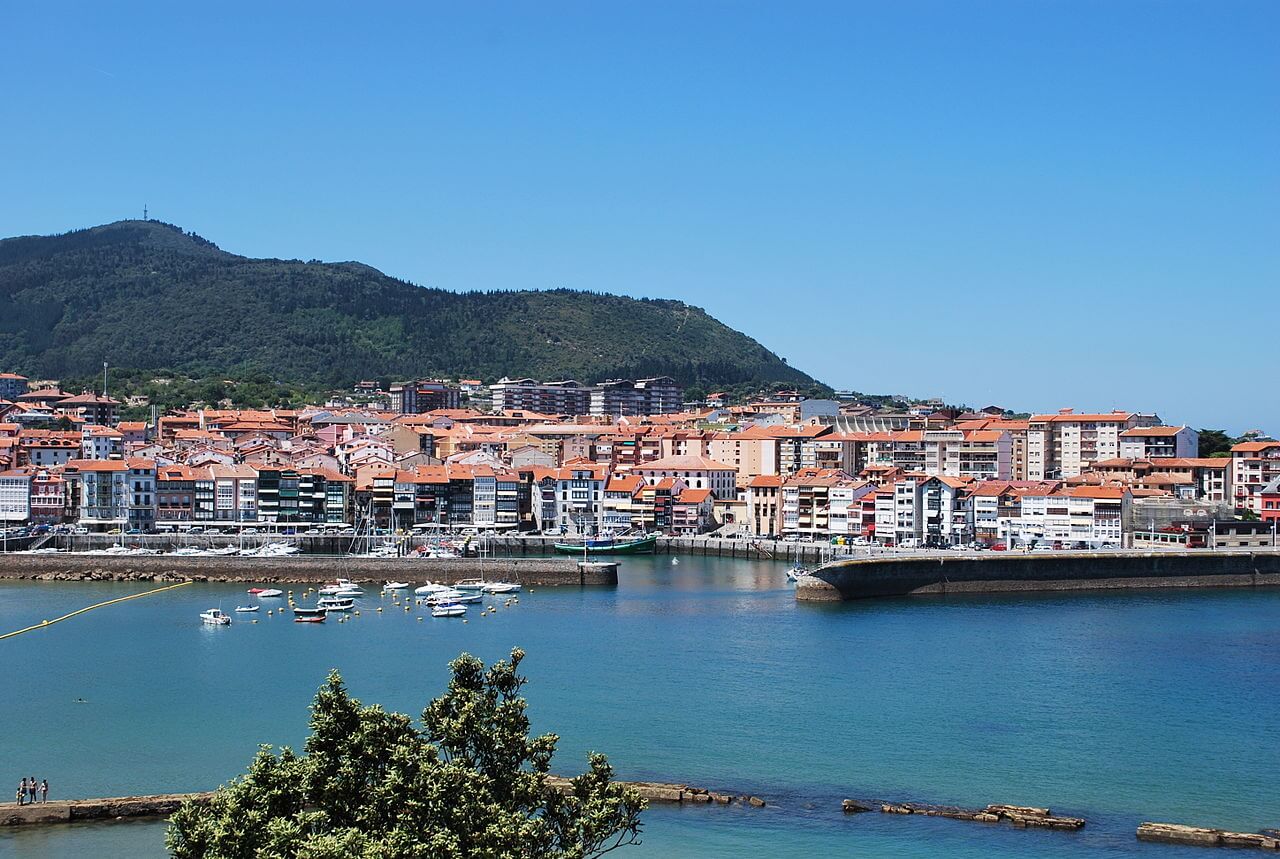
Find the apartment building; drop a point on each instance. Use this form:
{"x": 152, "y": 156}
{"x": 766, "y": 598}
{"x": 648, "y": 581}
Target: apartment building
{"x": 1065, "y": 444}
{"x": 427, "y": 395}
{"x": 798, "y": 447}
{"x": 1159, "y": 443}
{"x": 623, "y": 398}
{"x": 1200, "y": 478}
{"x": 101, "y": 491}
{"x": 764, "y": 505}
{"x": 806, "y": 501}
{"x": 697, "y": 472}
{"x": 1089, "y": 516}
{"x": 1254, "y": 464}
{"x": 566, "y": 397}
{"x": 753, "y": 451}
{"x": 15, "y": 497}
{"x": 619, "y": 509}
{"x": 12, "y": 386}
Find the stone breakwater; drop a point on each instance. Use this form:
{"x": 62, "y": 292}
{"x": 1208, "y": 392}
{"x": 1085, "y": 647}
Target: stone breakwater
{"x": 1002, "y": 572}
{"x": 1177, "y": 833}
{"x": 163, "y": 805}
{"x": 542, "y": 572}
{"x": 1021, "y": 816}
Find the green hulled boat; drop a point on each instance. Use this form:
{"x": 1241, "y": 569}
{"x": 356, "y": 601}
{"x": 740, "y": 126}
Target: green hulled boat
{"x": 638, "y": 546}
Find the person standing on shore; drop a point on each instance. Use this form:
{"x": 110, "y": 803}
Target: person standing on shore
{"x": 22, "y": 792}
{"x": 32, "y": 787}
{"x": 44, "y": 790}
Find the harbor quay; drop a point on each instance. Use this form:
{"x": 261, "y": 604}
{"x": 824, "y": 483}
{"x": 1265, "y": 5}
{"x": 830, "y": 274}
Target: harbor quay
{"x": 1014, "y": 572}
{"x": 304, "y": 569}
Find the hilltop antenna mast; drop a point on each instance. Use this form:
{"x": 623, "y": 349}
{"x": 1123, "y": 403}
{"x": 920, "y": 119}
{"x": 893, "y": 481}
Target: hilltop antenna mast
{"x": 144, "y": 212}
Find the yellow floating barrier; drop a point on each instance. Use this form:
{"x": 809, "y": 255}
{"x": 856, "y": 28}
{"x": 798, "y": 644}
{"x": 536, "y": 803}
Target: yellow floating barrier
{"x": 45, "y": 623}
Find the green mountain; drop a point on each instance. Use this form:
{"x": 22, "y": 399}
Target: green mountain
{"x": 147, "y": 295}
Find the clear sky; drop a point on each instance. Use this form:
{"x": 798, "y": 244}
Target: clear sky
{"x": 1037, "y": 204}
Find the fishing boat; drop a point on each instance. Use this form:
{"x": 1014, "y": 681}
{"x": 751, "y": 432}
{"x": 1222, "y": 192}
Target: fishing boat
{"x": 638, "y": 546}
{"x": 449, "y": 610}
{"x": 215, "y": 617}
{"x": 309, "y": 618}
{"x": 335, "y": 604}
{"x": 268, "y": 592}
{"x": 300, "y": 612}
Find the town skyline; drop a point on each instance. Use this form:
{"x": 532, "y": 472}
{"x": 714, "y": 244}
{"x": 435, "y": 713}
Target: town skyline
{"x": 1010, "y": 181}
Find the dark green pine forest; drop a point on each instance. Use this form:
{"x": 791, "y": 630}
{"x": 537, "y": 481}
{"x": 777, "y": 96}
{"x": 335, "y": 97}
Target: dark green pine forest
{"x": 149, "y": 296}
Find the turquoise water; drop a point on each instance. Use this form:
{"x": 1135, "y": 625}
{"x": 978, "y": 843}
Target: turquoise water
{"x": 1118, "y": 708}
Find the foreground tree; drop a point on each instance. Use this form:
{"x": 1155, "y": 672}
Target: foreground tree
{"x": 470, "y": 783}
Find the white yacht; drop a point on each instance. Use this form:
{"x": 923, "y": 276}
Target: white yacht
{"x": 215, "y": 617}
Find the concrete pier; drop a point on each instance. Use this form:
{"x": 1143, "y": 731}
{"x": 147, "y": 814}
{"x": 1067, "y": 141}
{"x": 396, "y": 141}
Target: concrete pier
{"x": 304, "y": 569}
{"x": 1002, "y": 572}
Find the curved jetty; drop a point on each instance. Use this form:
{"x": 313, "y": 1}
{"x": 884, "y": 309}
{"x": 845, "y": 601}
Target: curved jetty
{"x": 1000, "y": 572}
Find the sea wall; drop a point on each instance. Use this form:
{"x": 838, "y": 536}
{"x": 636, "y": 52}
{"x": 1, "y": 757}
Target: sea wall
{"x": 543, "y": 572}
{"x": 1057, "y": 571}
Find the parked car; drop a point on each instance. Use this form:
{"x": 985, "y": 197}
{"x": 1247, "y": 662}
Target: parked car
{"x": 998, "y": 547}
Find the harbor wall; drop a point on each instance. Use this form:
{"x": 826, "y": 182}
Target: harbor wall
{"x": 544, "y": 572}
{"x": 503, "y": 545}
{"x": 1059, "y": 571}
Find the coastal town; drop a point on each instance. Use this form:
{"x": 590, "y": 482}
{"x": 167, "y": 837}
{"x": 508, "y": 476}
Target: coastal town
{"x": 628, "y": 457}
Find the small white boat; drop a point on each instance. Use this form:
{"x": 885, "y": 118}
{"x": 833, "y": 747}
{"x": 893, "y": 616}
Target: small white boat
{"x": 450, "y": 610}
{"x": 225, "y": 550}
{"x": 335, "y": 604}
{"x": 187, "y": 551}
{"x": 395, "y": 586}
{"x": 270, "y": 592}
{"x": 794, "y": 574}
{"x": 248, "y": 607}
{"x": 453, "y": 598}
{"x": 429, "y": 588}
{"x": 500, "y": 588}
{"x": 215, "y": 617}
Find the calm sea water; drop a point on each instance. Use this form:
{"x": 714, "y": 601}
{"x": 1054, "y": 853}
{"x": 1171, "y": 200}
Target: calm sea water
{"x": 1118, "y": 708}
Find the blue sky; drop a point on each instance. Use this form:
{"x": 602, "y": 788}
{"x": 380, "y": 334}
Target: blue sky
{"x": 1039, "y": 204}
